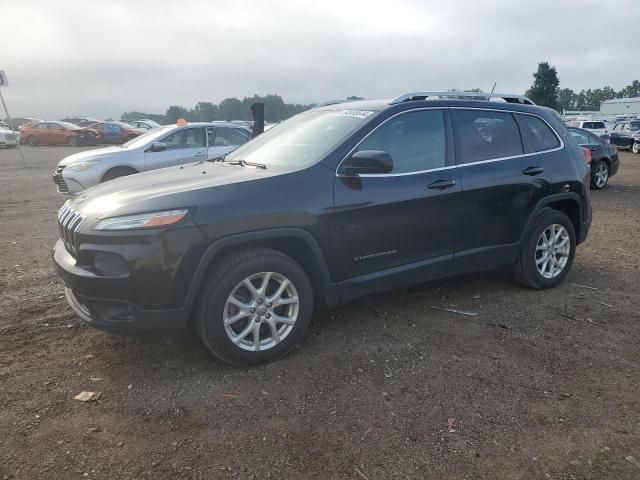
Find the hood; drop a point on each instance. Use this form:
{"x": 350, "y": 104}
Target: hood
{"x": 167, "y": 188}
{"x": 92, "y": 155}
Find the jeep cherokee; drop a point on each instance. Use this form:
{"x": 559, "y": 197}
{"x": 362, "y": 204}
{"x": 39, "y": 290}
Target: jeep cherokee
{"x": 337, "y": 202}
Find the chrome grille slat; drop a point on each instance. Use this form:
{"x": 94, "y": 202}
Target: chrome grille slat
{"x": 69, "y": 222}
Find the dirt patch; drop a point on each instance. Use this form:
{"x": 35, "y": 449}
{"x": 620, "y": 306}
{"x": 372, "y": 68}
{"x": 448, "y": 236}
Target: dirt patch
{"x": 537, "y": 385}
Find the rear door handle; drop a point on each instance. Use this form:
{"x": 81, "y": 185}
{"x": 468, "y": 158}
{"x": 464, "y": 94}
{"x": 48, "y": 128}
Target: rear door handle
{"x": 442, "y": 184}
{"x": 533, "y": 171}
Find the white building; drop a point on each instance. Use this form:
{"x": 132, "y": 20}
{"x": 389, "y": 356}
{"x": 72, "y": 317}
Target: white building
{"x": 621, "y": 106}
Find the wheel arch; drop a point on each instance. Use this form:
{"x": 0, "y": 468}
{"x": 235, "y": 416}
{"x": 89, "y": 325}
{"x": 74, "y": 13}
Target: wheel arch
{"x": 297, "y": 243}
{"x": 567, "y": 203}
{"x": 115, "y": 167}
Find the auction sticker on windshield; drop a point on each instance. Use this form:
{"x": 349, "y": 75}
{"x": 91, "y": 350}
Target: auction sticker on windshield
{"x": 355, "y": 113}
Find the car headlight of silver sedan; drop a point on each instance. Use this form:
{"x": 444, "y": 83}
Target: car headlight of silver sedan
{"x": 81, "y": 166}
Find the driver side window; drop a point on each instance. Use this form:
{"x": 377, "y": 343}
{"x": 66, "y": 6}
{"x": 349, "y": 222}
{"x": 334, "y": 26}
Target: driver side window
{"x": 416, "y": 141}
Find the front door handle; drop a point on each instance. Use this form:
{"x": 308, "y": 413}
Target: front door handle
{"x": 442, "y": 184}
{"x": 199, "y": 155}
{"x": 533, "y": 171}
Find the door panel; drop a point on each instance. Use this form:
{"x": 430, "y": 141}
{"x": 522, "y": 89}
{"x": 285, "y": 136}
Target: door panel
{"x": 502, "y": 182}
{"x": 186, "y": 145}
{"x": 383, "y": 221}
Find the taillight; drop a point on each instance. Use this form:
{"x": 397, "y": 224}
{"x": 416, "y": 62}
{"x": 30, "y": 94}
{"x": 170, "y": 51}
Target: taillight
{"x": 587, "y": 155}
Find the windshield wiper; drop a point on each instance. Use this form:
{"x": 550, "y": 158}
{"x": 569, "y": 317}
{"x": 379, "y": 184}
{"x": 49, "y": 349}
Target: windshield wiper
{"x": 244, "y": 163}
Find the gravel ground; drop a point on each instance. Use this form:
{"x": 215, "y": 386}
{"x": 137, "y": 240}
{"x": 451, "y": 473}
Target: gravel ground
{"x": 537, "y": 385}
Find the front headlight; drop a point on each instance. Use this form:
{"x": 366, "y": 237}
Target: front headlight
{"x": 142, "y": 220}
{"x": 81, "y": 166}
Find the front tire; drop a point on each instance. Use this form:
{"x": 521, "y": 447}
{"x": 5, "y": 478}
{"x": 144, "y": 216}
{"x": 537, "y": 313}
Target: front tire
{"x": 635, "y": 148}
{"x": 547, "y": 251}
{"x": 254, "y": 307}
{"x": 73, "y": 141}
{"x": 32, "y": 141}
{"x": 600, "y": 177}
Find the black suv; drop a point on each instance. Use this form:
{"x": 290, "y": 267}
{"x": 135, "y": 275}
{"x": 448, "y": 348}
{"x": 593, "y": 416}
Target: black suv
{"x": 337, "y": 202}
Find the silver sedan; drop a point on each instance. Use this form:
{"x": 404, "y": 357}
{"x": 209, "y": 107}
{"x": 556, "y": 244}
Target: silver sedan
{"x": 158, "y": 148}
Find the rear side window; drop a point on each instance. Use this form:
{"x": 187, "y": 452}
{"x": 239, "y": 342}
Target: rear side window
{"x": 580, "y": 137}
{"x": 416, "y": 141}
{"x": 487, "y": 135}
{"x": 537, "y": 133}
{"x": 593, "y": 125}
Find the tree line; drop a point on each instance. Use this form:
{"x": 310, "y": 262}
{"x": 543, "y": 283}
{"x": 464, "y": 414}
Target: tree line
{"x": 275, "y": 110}
{"x": 546, "y": 91}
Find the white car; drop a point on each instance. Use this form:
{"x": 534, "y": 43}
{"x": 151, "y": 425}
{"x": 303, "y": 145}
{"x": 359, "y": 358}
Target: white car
{"x": 597, "y": 127}
{"x": 158, "y": 148}
{"x": 8, "y": 138}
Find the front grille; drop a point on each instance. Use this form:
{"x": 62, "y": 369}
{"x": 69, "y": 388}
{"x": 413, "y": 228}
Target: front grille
{"x": 69, "y": 222}
{"x": 9, "y": 137}
{"x": 58, "y": 179}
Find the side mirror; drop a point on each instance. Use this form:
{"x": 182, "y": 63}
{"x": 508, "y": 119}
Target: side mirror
{"x": 367, "y": 162}
{"x": 158, "y": 147}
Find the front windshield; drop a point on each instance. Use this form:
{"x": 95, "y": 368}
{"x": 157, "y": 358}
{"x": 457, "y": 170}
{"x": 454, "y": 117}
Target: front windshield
{"x": 147, "y": 137}
{"x": 302, "y": 140}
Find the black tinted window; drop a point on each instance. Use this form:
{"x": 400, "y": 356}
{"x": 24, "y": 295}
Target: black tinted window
{"x": 593, "y": 125}
{"x": 538, "y": 133}
{"x": 416, "y": 141}
{"x": 487, "y": 135}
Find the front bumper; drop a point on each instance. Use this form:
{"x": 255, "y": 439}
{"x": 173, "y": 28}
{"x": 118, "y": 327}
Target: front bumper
{"x": 4, "y": 142}
{"x": 118, "y": 316}
{"x": 149, "y": 292}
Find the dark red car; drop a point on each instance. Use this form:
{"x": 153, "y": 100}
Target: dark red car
{"x": 114, "y": 132}
{"x": 55, "y": 133}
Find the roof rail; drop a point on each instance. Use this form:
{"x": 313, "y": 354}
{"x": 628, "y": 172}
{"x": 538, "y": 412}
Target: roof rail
{"x": 507, "y": 97}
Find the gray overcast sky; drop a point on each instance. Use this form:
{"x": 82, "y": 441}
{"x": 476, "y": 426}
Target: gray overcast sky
{"x": 101, "y": 58}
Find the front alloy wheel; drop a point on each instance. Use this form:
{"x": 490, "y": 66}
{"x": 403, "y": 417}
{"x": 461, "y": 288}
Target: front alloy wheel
{"x": 635, "y": 148}
{"x": 254, "y": 306}
{"x": 552, "y": 251}
{"x": 261, "y": 311}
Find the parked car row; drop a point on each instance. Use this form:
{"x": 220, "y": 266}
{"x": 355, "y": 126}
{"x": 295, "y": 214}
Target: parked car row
{"x": 66, "y": 133}
{"x": 624, "y": 134}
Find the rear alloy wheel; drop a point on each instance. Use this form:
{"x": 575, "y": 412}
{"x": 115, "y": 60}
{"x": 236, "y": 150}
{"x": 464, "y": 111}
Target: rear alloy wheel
{"x": 547, "y": 251}
{"x": 600, "y": 175}
{"x": 73, "y": 141}
{"x": 254, "y": 307}
{"x": 635, "y": 148}
{"x": 32, "y": 141}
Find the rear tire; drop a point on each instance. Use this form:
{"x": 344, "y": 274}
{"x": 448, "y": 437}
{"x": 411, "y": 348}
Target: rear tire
{"x": 277, "y": 320}
{"x": 635, "y": 148}
{"x": 117, "y": 172}
{"x": 600, "y": 177}
{"x": 534, "y": 269}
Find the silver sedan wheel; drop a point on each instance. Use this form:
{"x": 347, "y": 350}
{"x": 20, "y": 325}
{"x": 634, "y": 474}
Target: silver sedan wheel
{"x": 602, "y": 175}
{"x": 261, "y": 311}
{"x": 552, "y": 251}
